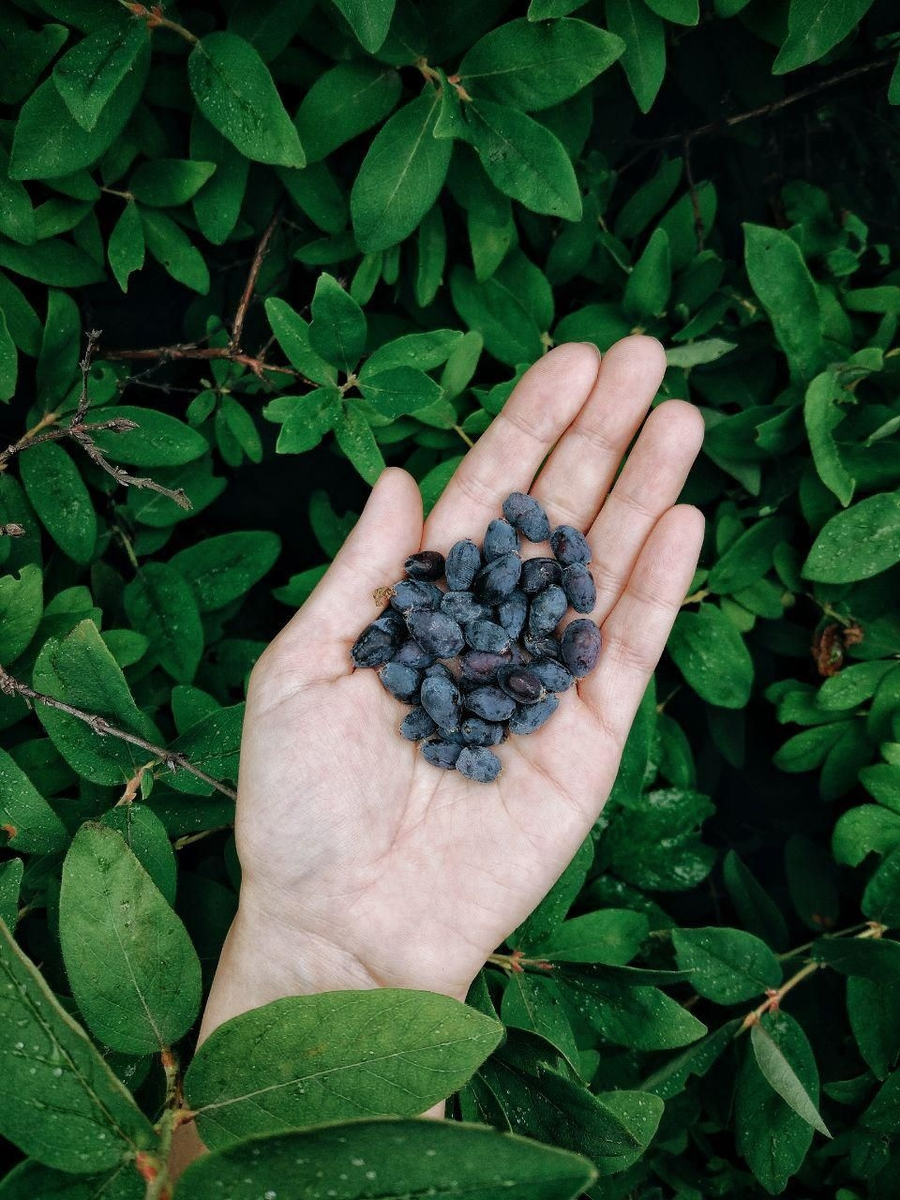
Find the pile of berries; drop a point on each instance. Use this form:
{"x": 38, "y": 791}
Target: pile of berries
{"x": 495, "y": 625}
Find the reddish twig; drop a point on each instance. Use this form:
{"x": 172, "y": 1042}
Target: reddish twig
{"x": 237, "y": 327}
{"x": 174, "y": 760}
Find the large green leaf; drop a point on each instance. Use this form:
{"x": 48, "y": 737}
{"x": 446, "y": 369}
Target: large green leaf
{"x": 399, "y": 1158}
{"x": 236, "y": 93}
{"x": 308, "y": 1059}
{"x": 21, "y": 608}
{"x": 534, "y": 66}
{"x": 344, "y": 102}
{"x": 220, "y": 569}
{"x": 644, "y": 59}
{"x": 160, "y": 440}
{"x": 51, "y": 1071}
{"x": 160, "y": 602}
{"x": 726, "y": 965}
{"x": 134, "y": 973}
{"x": 814, "y": 27}
{"x": 401, "y": 175}
{"x": 710, "y": 653}
{"x": 55, "y": 488}
{"x": 858, "y": 543}
{"x": 88, "y": 75}
{"x": 27, "y": 819}
{"x": 369, "y": 20}
{"x": 782, "y": 1077}
{"x": 338, "y": 328}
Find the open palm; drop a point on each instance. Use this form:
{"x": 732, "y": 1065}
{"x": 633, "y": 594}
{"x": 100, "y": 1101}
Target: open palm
{"x": 372, "y": 867}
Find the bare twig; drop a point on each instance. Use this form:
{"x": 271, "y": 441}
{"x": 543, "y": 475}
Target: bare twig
{"x": 172, "y": 759}
{"x": 762, "y": 110}
{"x": 237, "y": 327}
{"x": 81, "y": 432}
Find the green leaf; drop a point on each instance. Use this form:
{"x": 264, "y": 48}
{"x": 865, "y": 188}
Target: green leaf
{"x": 88, "y": 75}
{"x": 644, "y": 59}
{"x": 309, "y": 1059}
{"x": 217, "y": 205}
{"x": 399, "y": 390}
{"x": 145, "y": 836}
{"x": 535, "y": 1003}
{"x": 782, "y": 1077}
{"x": 781, "y": 280}
{"x": 168, "y": 182}
{"x": 682, "y": 12}
{"x": 611, "y": 935}
{"x": 57, "y": 365}
{"x": 11, "y": 873}
{"x": 134, "y": 974}
{"x": 9, "y": 361}
{"x": 856, "y": 544}
{"x": 770, "y": 1135}
{"x": 697, "y": 354}
{"x": 508, "y": 329}
{"x": 27, "y": 819}
{"x": 30, "y": 1179}
{"x": 406, "y": 1157}
{"x": 338, "y": 328}
{"x": 881, "y": 899}
{"x": 822, "y": 415}
{"x": 292, "y": 334}
{"x": 343, "y": 103}
{"x": 51, "y": 1068}
{"x": 304, "y": 419}
{"x": 268, "y": 25}
{"x": 532, "y": 66}
{"x": 79, "y": 670}
{"x": 21, "y": 608}
{"x": 655, "y": 843}
{"x": 874, "y": 1013}
{"x": 712, "y": 657}
{"x": 49, "y": 142}
{"x": 431, "y": 248}
{"x": 160, "y": 603}
{"x": 748, "y": 557}
{"x": 159, "y": 441}
{"x": 650, "y": 282}
{"x": 551, "y": 911}
{"x": 524, "y": 159}
{"x": 864, "y": 830}
{"x": 236, "y": 93}
{"x": 55, "y": 488}
{"x": 726, "y": 965}
{"x": 369, "y": 20}
{"x": 877, "y": 959}
{"x": 354, "y": 436}
{"x": 125, "y": 249}
{"x": 400, "y": 177}
{"x": 52, "y": 261}
{"x": 814, "y": 28}
{"x": 221, "y": 569}
{"x": 16, "y": 212}
{"x": 174, "y": 250}
{"x": 627, "y": 1014}
{"x": 213, "y": 744}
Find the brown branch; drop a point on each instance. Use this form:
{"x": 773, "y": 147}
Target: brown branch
{"x": 232, "y": 352}
{"x": 763, "y": 110}
{"x": 175, "y": 761}
{"x": 237, "y": 327}
{"x": 82, "y": 433}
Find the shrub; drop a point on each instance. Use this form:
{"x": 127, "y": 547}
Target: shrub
{"x": 343, "y": 230}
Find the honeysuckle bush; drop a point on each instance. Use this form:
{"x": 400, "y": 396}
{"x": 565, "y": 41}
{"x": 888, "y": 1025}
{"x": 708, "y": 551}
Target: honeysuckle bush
{"x": 320, "y": 237}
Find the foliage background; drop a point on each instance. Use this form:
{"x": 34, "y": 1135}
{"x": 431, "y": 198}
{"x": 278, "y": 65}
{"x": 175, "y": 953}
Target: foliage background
{"x": 486, "y": 179}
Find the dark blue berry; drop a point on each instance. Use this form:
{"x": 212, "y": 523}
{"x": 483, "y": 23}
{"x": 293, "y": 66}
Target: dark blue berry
{"x": 500, "y": 538}
{"x": 496, "y": 579}
{"x": 478, "y": 732}
{"x": 547, "y": 610}
{"x": 435, "y": 632}
{"x": 486, "y": 635}
{"x": 463, "y": 607}
{"x": 427, "y": 564}
{"x": 525, "y": 514}
{"x": 441, "y": 754}
{"x": 490, "y": 703}
{"x": 581, "y": 646}
{"x": 480, "y": 666}
{"x": 412, "y": 655}
{"x": 578, "y": 584}
{"x": 521, "y": 683}
{"x": 462, "y": 565}
{"x": 417, "y": 725}
{"x": 538, "y": 573}
{"x": 512, "y": 611}
{"x": 479, "y": 764}
{"x": 440, "y": 699}
{"x": 553, "y": 675}
{"x": 377, "y": 643}
{"x": 541, "y": 647}
{"x": 569, "y": 545}
{"x": 528, "y": 718}
{"x": 411, "y": 594}
{"x": 400, "y": 681}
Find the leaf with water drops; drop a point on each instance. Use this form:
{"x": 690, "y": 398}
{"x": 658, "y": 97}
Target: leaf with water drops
{"x": 726, "y": 965}
{"x": 308, "y": 1059}
{"x": 59, "y": 1102}
{"x": 134, "y": 973}
{"x": 32, "y": 1179}
{"x": 393, "y": 1160}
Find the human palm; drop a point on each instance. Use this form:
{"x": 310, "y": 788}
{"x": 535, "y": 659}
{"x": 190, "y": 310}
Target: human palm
{"x": 364, "y": 864}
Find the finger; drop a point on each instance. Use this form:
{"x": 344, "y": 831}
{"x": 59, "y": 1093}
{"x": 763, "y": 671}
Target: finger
{"x": 635, "y": 632}
{"x": 580, "y": 472}
{"x": 389, "y": 529}
{"x": 545, "y": 401}
{"x": 650, "y": 483}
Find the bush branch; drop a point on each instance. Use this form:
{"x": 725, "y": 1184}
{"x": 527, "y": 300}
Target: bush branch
{"x": 172, "y": 759}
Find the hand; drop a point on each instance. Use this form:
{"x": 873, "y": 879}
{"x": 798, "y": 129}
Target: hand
{"x": 364, "y": 866}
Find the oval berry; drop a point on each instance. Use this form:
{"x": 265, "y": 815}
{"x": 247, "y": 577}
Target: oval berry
{"x": 480, "y": 666}
{"x": 512, "y": 611}
{"x": 552, "y": 674}
{"x": 547, "y": 610}
{"x": 435, "y": 632}
{"x": 500, "y": 538}
{"x": 377, "y": 643}
{"x": 410, "y": 594}
{"x": 581, "y": 646}
{"x": 525, "y": 514}
{"x": 417, "y": 725}
{"x": 496, "y": 579}
{"x": 462, "y": 565}
{"x": 427, "y": 564}
{"x": 528, "y": 718}
{"x": 538, "y": 573}
{"x": 478, "y": 732}
{"x": 490, "y": 703}
{"x": 569, "y": 545}
{"x": 487, "y": 635}
{"x": 400, "y": 681}
{"x": 441, "y": 700}
{"x": 521, "y": 684}
{"x": 441, "y": 754}
{"x": 479, "y": 764}
{"x": 578, "y": 584}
